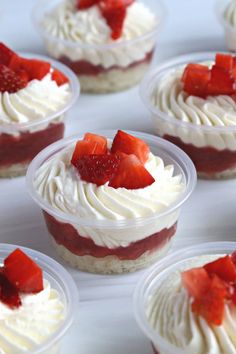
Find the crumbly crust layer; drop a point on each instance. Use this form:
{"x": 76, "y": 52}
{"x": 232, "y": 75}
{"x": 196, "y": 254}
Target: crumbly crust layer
{"x": 15, "y": 170}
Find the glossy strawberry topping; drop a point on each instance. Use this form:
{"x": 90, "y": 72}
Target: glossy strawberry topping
{"x": 212, "y": 287}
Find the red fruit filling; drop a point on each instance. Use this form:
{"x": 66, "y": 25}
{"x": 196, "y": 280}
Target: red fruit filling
{"x": 24, "y": 147}
{"x": 66, "y": 235}
{"x": 212, "y": 287}
{"x": 83, "y": 67}
{"x": 19, "y": 274}
{"x": 199, "y": 80}
{"x": 207, "y": 160}
{"x": 129, "y": 144}
{"x": 122, "y": 167}
{"x": 16, "y": 72}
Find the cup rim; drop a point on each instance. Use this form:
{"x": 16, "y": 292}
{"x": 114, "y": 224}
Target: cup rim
{"x": 75, "y": 92}
{"x": 156, "y": 271}
{"x": 151, "y": 79}
{"x": 36, "y": 21}
{"x": 180, "y": 158}
{"x": 70, "y": 290}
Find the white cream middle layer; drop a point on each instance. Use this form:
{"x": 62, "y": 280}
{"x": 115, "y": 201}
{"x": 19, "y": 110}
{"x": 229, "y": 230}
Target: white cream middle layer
{"x": 39, "y": 99}
{"x": 39, "y": 316}
{"x": 169, "y": 313}
{"x": 58, "y": 183}
{"x": 214, "y": 111}
{"x": 90, "y": 28}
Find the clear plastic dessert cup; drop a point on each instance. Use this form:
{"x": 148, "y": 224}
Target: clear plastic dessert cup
{"x": 151, "y": 236}
{"x": 21, "y": 142}
{"x": 62, "y": 282}
{"x": 126, "y": 63}
{"x": 229, "y": 29}
{"x": 154, "y": 279}
{"x": 212, "y": 148}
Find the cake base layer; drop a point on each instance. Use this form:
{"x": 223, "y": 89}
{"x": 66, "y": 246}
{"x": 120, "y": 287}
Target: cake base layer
{"x": 15, "y": 170}
{"x": 210, "y": 163}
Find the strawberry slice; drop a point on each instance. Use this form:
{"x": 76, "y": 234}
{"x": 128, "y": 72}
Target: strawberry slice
{"x": 5, "y": 54}
{"x": 223, "y": 267}
{"x": 59, "y": 77}
{"x": 211, "y": 305}
{"x": 221, "y": 82}
{"x": 196, "y": 281}
{"x": 233, "y": 257}
{"x": 97, "y": 169}
{"x": 91, "y": 145}
{"x": 224, "y": 61}
{"x": 85, "y": 4}
{"x": 195, "y": 79}
{"x": 9, "y": 294}
{"x": 23, "y": 272}
{"x": 129, "y": 144}
{"x": 10, "y": 81}
{"x": 36, "y": 69}
{"x": 131, "y": 174}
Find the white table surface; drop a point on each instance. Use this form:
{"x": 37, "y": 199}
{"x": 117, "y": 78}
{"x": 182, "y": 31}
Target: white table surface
{"x": 104, "y": 322}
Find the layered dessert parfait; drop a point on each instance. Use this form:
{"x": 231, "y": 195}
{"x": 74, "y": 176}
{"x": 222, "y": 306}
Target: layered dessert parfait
{"x": 192, "y": 101}
{"x": 32, "y": 311}
{"x": 109, "y": 44}
{"x": 111, "y": 206}
{"x": 34, "y": 96}
{"x": 226, "y": 11}
{"x": 192, "y": 308}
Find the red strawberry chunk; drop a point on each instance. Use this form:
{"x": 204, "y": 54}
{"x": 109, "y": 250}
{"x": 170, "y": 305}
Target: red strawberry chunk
{"x": 211, "y": 305}
{"x": 9, "y": 294}
{"x": 196, "y": 281}
{"x": 85, "y": 4}
{"x": 59, "y": 77}
{"x": 131, "y": 174}
{"x": 233, "y": 257}
{"x": 10, "y": 81}
{"x": 36, "y": 69}
{"x": 97, "y": 169}
{"x": 5, "y": 54}
{"x": 23, "y": 272}
{"x": 223, "y": 267}
{"x": 129, "y": 144}
{"x": 195, "y": 79}
{"x": 221, "y": 82}
{"x": 91, "y": 145}
{"x": 224, "y": 61}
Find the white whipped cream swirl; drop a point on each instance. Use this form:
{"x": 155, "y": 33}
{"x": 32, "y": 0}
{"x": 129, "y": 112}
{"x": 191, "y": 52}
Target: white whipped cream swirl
{"x": 230, "y": 13}
{"x": 169, "y": 313}
{"x": 59, "y": 184}
{"x": 39, "y": 316}
{"x": 213, "y": 111}
{"x": 39, "y": 99}
{"x": 89, "y": 27}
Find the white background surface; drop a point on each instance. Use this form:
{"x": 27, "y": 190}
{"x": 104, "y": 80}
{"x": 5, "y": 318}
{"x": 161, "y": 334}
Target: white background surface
{"x": 104, "y": 321}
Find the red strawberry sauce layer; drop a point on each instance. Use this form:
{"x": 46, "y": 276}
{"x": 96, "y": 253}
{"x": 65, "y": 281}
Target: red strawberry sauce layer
{"x": 206, "y": 159}
{"x": 154, "y": 349}
{"x": 66, "y": 235}
{"x": 24, "y": 147}
{"x": 82, "y": 67}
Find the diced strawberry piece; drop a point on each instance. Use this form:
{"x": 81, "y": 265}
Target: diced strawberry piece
{"x": 59, "y": 77}
{"x": 196, "y": 281}
{"x": 9, "y": 294}
{"x": 233, "y": 257}
{"x": 131, "y": 174}
{"x": 91, "y": 145}
{"x": 97, "y": 169}
{"x": 221, "y": 82}
{"x": 5, "y": 54}
{"x": 195, "y": 79}
{"x": 36, "y": 69}
{"x": 23, "y": 272}
{"x": 224, "y": 61}
{"x": 85, "y": 4}
{"x": 10, "y": 81}
{"x": 129, "y": 144}
{"x": 223, "y": 267}
{"x": 211, "y": 304}
{"x": 233, "y": 295}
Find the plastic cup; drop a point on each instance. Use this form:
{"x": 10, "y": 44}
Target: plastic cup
{"x": 228, "y": 28}
{"x": 20, "y": 142}
{"x": 155, "y": 232}
{"x": 151, "y": 281}
{"x": 97, "y": 75}
{"x": 211, "y": 148}
{"x": 63, "y": 283}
